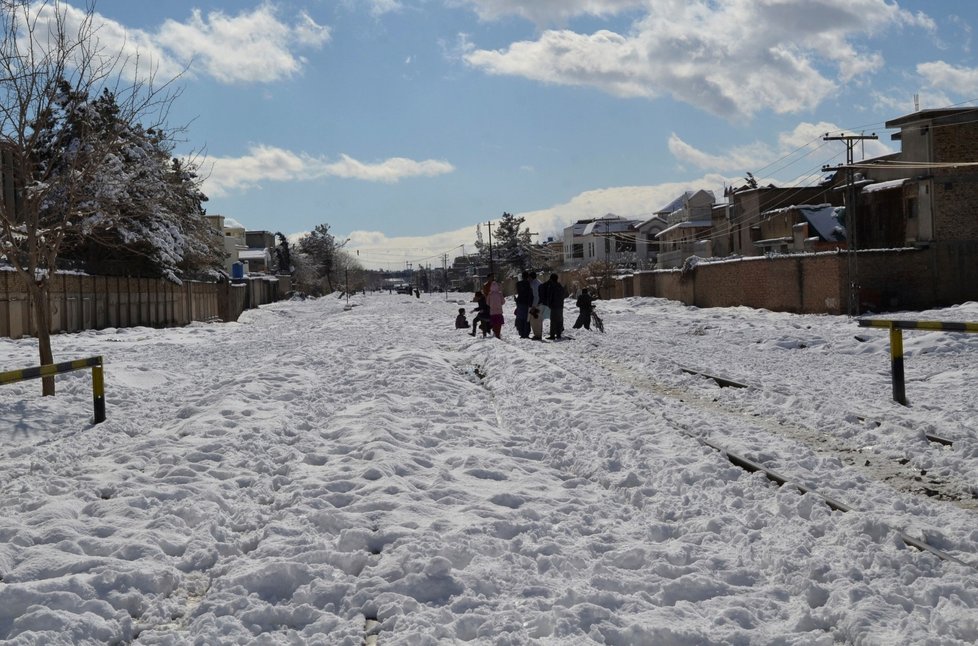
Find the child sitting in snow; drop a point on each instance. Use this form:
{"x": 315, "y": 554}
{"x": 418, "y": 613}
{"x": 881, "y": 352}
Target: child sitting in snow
{"x": 461, "y": 323}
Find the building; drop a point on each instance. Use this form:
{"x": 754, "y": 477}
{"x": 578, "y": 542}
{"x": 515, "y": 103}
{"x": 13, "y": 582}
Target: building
{"x": 689, "y": 220}
{"x": 234, "y": 238}
{"x": 610, "y": 238}
{"x": 804, "y": 228}
{"x": 646, "y": 243}
{"x": 743, "y": 214}
{"x": 924, "y": 198}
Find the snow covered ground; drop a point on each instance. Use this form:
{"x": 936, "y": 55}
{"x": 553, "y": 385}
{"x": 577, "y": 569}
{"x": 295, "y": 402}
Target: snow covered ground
{"x": 313, "y": 472}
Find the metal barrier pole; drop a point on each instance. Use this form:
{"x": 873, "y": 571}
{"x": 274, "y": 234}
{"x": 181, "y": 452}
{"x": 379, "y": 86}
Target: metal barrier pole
{"x": 98, "y": 393}
{"x": 896, "y": 365}
{"x": 50, "y": 370}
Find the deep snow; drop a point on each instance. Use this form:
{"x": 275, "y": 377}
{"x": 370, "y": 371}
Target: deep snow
{"x": 283, "y": 479}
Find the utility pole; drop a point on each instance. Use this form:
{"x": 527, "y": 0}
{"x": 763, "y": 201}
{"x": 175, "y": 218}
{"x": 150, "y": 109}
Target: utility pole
{"x": 491, "y": 269}
{"x": 851, "y": 237}
{"x": 444, "y": 272}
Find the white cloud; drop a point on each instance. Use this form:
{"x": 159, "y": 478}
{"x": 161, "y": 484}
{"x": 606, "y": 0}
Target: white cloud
{"x": 249, "y": 47}
{"x": 549, "y": 11}
{"x": 381, "y": 7}
{"x": 797, "y": 158}
{"x": 963, "y": 81}
{"x": 901, "y": 101}
{"x": 388, "y": 171}
{"x": 252, "y": 46}
{"x": 272, "y": 164}
{"x": 729, "y": 57}
{"x": 132, "y": 53}
{"x": 735, "y": 160}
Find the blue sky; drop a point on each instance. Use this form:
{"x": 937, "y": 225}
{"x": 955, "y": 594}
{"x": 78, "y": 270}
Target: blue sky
{"x": 404, "y": 123}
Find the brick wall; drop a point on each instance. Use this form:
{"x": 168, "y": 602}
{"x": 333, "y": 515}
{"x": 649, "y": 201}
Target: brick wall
{"x": 955, "y": 190}
{"x": 818, "y": 284}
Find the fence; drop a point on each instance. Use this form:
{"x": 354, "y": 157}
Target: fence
{"x": 80, "y": 302}
{"x": 98, "y": 380}
{"x": 896, "y": 329}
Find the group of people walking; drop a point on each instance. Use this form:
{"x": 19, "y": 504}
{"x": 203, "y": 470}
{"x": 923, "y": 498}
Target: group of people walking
{"x": 535, "y": 301}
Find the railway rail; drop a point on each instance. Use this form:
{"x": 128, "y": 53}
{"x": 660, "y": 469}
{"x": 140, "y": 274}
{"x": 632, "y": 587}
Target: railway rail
{"x": 912, "y": 482}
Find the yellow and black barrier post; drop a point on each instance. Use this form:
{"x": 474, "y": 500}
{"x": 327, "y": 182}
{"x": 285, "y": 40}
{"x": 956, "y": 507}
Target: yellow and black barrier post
{"x": 896, "y": 366}
{"x": 98, "y": 381}
{"x": 896, "y": 329}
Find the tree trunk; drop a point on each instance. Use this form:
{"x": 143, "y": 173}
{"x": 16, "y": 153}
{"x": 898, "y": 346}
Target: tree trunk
{"x": 42, "y": 313}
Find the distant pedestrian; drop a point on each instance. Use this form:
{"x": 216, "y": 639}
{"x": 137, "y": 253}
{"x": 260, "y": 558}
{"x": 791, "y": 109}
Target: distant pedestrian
{"x": 461, "y": 323}
{"x": 496, "y": 300}
{"x": 536, "y": 316}
{"x": 585, "y": 306}
{"x": 524, "y": 300}
{"x": 553, "y": 295}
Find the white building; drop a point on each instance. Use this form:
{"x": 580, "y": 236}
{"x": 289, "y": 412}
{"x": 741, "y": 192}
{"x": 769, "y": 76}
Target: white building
{"x": 610, "y": 238}
{"x": 234, "y": 238}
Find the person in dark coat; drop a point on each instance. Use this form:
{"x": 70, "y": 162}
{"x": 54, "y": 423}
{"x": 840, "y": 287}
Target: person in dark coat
{"x": 536, "y": 316}
{"x": 552, "y": 295}
{"x": 524, "y": 300}
{"x": 461, "y": 323}
{"x": 585, "y": 305}
{"x": 481, "y": 318}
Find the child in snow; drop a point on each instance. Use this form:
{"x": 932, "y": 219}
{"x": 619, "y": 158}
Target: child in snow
{"x": 461, "y": 323}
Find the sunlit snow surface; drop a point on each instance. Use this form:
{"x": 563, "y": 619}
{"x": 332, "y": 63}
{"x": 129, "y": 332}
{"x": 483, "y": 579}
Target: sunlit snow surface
{"x": 283, "y": 479}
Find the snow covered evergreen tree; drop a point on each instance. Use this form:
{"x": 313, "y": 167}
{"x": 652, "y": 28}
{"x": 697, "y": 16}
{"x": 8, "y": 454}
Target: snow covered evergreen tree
{"x": 321, "y": 248}
{"x": 282, "y": 259}
{"x": 143, "y": 212}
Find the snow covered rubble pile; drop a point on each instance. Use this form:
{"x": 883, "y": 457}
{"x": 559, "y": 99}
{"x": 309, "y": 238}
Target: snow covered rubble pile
{"x": 280, "y": 480}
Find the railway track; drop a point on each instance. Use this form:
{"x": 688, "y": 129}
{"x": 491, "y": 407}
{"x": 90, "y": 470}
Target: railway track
{"x": 896, "y": 473}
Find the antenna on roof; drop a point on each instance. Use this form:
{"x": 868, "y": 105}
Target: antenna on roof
{"x": 916, "y": 102}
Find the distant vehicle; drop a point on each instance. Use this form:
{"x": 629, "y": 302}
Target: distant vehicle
{"x": 404, "y": 289}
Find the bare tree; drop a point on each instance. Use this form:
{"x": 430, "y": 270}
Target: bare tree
{"x": 598, "y": 276}
{"x": 51, "y": 66}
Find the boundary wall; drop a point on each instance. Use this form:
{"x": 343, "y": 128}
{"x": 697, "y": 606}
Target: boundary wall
{"x": 82, "y": 302}
{"x": 888, "y": 279}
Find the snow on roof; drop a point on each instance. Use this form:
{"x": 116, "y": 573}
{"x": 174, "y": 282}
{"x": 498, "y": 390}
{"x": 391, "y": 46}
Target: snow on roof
{"x": 884, "y": 186}
{"x": 652, "y": 222}
{"x": 231, "y": 223}
{"x": 608, "y": 225}
{"x": 823, "y": 218}
{"x": 686, "y": 224}
{"x": 676, "y": 204}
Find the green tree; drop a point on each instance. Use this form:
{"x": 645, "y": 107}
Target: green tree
{"x": 283, "y": 255}
{"x": 512, "y": 244}
{"x": 508, "y": 245}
